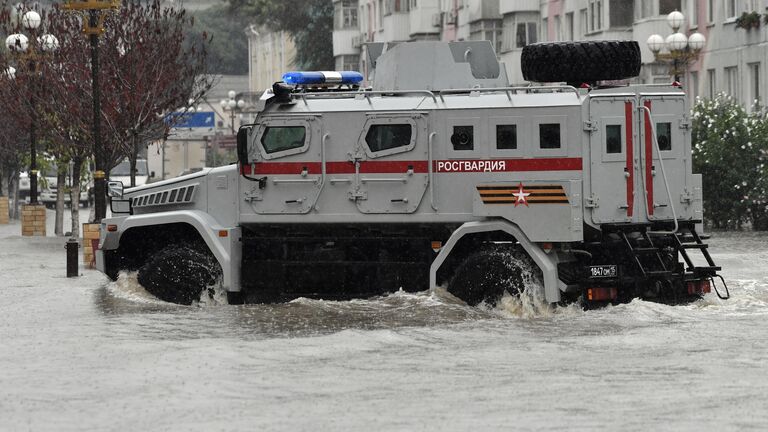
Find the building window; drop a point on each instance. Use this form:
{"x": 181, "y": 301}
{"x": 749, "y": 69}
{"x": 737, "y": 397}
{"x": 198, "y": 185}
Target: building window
{"x": 732, "y": 81}
{"x": 391, "y": 6}
{"x": 620, "y": 13}
{"x": 558, "y": 28}
{"x": 730, "y": 9}
{"x": 710, "y": 11}
{"x": 644, "y": 8}
{"x": 345, "y": 14}
{"x": 711, "y": 83}
{"x": 414, "y": 4}
{"x": 506, "y": 137}
{"x": 595, "y": 15}
{"x": 281, "y": 138}
{"x": 667, "y": 6}
{"x": 583, "y": 23}
{"x": 549, "y": 136}
{"x": 348, "y": 63}
{"x": 754, "y": 83}
{"x": 487, "y": 30}
{"x": 694, "y": 15}
{"x": 384, "y": 137}
{"x": 545, "y": 29}
{"x": 526, "y": 34}
{"x": 664, "y": 136}
{"x": 463, "y": 138}
{"x": 613, "y": 139}
{"x": 569, "y": 26}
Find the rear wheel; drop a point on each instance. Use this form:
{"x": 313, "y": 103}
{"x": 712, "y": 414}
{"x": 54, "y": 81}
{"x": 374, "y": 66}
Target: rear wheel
{"x": 490, "y": 272}
{"x": 179, "y": 274}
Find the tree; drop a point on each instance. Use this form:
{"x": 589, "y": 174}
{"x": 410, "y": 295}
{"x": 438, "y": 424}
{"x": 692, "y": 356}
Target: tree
{"x": 149, "y": 74}
{"x": 309, "y": 22}
{"x": 152, "y": 72}
{"x": 228, "y": 52}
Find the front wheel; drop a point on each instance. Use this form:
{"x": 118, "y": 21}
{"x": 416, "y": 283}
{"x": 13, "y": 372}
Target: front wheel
{"x": 179, "y": 274}
{"x": 488, "y": 273}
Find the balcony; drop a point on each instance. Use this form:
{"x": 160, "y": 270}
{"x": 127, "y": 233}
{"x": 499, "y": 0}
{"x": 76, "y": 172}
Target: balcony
{"x": 513, "y": 6}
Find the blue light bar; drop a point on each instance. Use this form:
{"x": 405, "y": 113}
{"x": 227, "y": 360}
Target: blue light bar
{"x": 309, "y": 78}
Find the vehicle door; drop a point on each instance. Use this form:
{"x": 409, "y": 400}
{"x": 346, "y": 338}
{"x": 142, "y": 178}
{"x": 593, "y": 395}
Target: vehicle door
{"x": 612, "y": 154}
{"x": 391, "y": 163}
{"x": 667, "y": 120}
{"x": 287, "y": 159}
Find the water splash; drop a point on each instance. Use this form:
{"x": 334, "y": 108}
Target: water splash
{"x": 127, "y": 287}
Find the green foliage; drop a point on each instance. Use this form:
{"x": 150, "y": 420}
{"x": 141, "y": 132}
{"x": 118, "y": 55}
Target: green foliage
{"x": 730, "y": 148}
{"x": 310, "y": 23}
{"x": 229, "y": 45}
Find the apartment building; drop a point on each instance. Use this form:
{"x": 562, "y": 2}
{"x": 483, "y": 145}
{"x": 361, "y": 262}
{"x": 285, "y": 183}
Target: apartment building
{"x": 732, "y": 61}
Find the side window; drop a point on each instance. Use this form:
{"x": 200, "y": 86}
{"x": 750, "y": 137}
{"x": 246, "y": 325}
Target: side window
{"x": 664, "y": 136}
{"x": 280, "y": 138}
{"x": 549, "y": 135}
{"x": 388, "y": 136}
{"x": 506, "y": 137}
{"x": 463, "y": 138}
{"x": 613, "y": 138}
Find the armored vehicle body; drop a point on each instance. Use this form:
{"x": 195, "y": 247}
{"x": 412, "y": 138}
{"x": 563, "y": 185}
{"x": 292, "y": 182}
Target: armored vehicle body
{"x": 440, "y": 174}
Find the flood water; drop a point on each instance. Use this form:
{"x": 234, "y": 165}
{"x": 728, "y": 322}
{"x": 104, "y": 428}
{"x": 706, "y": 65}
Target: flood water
{"x": 88, "y": 354}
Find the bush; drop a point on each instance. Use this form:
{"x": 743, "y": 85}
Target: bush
{"x": 730, "y": 147}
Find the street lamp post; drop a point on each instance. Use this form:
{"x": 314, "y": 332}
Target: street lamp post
{"x": 30, "y": 52}
{"x": 681, "y": 50}
{"x": 93, "y": 25}
{"x": 232, "y": 105}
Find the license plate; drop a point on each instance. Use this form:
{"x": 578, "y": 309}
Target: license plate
{"x": 604, "y": 271}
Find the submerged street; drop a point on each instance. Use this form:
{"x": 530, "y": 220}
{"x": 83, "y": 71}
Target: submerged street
{"x": 89, "y": 354}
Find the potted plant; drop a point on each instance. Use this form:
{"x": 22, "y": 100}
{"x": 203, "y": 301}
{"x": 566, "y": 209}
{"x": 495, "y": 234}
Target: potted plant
{"x": 749, "y": 20}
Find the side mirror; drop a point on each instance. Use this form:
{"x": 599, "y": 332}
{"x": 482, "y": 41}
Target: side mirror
{"x": 242, "y": 145}
{"x": 151, "y": 174}
{"x": 115, "y": 189}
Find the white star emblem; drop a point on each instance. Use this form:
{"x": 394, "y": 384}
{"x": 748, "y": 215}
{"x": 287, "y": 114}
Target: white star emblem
{"x": 521, "y": 195}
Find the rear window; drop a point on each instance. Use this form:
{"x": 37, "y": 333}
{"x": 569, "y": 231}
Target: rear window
{"x": 280, "y": 138}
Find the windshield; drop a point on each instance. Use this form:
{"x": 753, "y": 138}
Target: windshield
{"x": 50, "y": 171}
{"x": 124, "y": 169}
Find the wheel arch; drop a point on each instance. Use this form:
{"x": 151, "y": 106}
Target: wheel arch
{"x": 546, "y": 263}
{"x": 177, "y": 227}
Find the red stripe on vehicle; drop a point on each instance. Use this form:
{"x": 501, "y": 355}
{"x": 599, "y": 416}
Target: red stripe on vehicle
{"x": 630, "y": 153}
{"x": 648, "y": 159}
{"x": 418, "y": 166}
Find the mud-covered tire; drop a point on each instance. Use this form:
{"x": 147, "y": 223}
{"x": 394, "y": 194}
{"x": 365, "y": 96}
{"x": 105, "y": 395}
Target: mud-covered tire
{"x": 179, "y": 274}
{"x": 485, "y": 275}
{"x": 580, "y": 62}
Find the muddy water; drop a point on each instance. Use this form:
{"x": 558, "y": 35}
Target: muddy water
{"x": 87, "y": 354}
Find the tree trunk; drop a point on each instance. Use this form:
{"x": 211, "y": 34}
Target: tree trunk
{"x": 15, "y": 184}
{"x": 61, "y": 182}
{"x": 132, "y": 158}
{"x": 75, "y": 196}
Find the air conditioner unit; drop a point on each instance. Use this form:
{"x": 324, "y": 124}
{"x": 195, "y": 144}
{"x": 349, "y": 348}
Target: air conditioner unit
{"x": 437, "y": 20}
{"x": 357, "y": 41}
{"x": 450, "y": 18}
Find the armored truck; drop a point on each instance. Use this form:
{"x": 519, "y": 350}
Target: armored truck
{"x": 439, "y": 174}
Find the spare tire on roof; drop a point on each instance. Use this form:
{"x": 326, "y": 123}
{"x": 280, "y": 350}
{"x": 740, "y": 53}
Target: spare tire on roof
{"x": 580, "y": 62}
